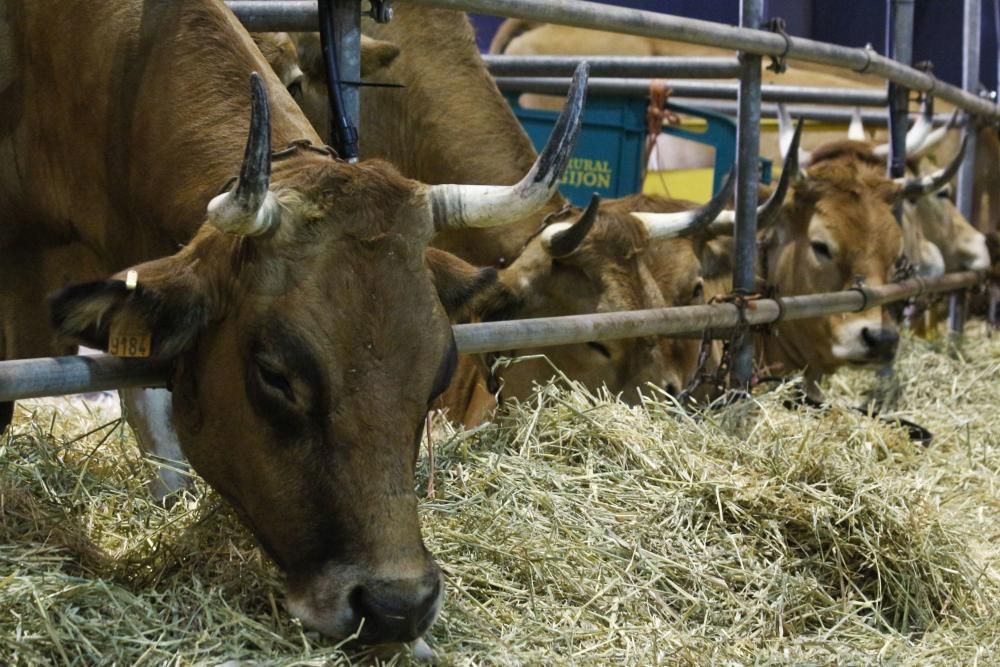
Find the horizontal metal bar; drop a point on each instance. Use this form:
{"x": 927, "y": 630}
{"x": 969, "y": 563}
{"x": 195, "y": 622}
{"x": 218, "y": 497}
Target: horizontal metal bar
{"x": 700, "y": 89}
{"x": 622, "y": 66}
{"x": 276, "y": 15}
{"x": 55, "y": 376}
{"x": 817, "y": 113}
{"x": 596, "y": 16}
{"x": 30, "y": 378}
{"x": 300, "y": 15}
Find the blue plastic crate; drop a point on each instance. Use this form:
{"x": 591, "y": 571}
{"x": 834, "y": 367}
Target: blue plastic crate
{"x": 608, "y": 156}
{"x": 609, "y": 152}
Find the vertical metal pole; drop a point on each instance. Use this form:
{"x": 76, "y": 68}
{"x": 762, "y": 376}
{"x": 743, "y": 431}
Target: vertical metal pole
{"x": 899, "y": 45}
{"x": 971, "y": 38}
{"x": 347, "y": 28}
{"x": 340, "y": 30}
{"x": 747, "y": 177}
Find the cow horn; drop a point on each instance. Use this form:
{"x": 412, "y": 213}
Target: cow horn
{"x": 914, "y": 188}
{"x": 917, "y": 135}
{"x": 668, "y": 225}
{"x": 786, "y": 135}
{"x": 461, "y": 206}
{"x": 562, "y": 238}
{"x": 689, "y": 223}
{"x": 856, "y": 131}
{"x": 251, "y": 208}
{"x": 935, "y": 137}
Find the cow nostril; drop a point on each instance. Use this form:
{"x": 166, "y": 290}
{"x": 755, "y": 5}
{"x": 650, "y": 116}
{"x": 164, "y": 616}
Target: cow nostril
{"x": 881, "y": 341}
{"x": 395, "y": 611}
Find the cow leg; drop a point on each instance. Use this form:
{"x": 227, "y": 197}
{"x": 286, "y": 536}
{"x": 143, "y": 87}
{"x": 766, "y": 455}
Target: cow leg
{"x": 6, "y": 414}
{"x": 24, "y": 319}
{"x": 149, "y": 413}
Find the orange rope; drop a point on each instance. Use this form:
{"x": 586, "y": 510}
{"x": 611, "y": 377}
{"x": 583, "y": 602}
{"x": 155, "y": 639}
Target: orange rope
{"x": 656, "y": 114}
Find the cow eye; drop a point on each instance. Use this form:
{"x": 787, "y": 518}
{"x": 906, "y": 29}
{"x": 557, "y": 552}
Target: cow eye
{"x": 603, "y": 349}
{"x": 275, "y": 381}
{"x": 295, "y": 89}
{"x": 943, "y": 193}
{"x": 699, "y": 291}
{"x": 821, "y": 250}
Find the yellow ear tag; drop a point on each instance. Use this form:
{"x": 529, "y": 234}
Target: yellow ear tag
{"x": 130, "y": 337}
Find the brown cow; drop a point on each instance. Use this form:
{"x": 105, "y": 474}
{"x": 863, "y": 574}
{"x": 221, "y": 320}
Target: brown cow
{"x": 303, "y": 319}
{"x": 414, "y": 127}
{"x": 836, "y": 232}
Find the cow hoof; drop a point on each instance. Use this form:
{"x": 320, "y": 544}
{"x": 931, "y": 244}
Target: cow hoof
{"x": 165, "y": 486}
{"x": 6, "y": 415}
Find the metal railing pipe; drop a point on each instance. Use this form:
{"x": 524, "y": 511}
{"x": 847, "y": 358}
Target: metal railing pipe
{"x": 300, "y": 15}
{"x": 701, "y": 89}
{"x": 747, "y": 181}
{"x": 29, "y": 378}
{"x": 899, "y": 42}
{"x": 615, "y": 66}
{"x": 817, "y": 113}
{"x": 971, "y": 41}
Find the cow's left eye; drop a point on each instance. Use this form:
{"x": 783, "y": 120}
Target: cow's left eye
{"x": 600, "y": 348}
{"x": 821, "y": 250}
{"x": 295, "y": 90}
{"x": 275, "y": 381}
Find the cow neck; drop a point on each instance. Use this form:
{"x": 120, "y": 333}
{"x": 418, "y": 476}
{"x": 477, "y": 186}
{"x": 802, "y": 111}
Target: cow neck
{"x": 167, "y": 118}
{"x": 449, "y": 124}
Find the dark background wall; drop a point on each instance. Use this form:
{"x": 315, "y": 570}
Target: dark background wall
{"x": 937, "y": 26}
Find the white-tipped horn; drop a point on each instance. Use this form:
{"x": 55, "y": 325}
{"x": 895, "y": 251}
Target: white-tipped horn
{"x": 250, "y": 209}
{"x": 462, "y": 206}
{"x": 786, "y": 135}
{"x": 856, "y": 131}
{"x": 915, "y": 138}
{"x": 935, "y": 137}
{"x": 686, "y": 223}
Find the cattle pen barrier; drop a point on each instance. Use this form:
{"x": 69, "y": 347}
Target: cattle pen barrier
{"x": 32, "y": 378}
{"x": 53, "y": 376}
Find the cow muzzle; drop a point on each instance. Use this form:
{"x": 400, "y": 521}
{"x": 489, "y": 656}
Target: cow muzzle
{"x": 376, "y": 610}
{"x": 866, "y": 341}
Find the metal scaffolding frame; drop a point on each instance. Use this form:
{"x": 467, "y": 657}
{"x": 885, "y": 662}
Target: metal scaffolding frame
{"x": 19, "y": 379}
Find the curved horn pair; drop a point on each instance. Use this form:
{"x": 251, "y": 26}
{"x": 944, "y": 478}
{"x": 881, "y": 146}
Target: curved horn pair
{"x": 251, "y": 209}
{"x": 462, "y": 206}
{"x": 914, "y": 188}
{"x": 713, "y": 219}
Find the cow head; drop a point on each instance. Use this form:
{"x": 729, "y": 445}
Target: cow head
{"x": 837, "y": 232}
{"x": 962, "y": 246}
{"x": 601, "y": 260}
{"x": 307, "y": 329}
{"x": 583, "y": 262}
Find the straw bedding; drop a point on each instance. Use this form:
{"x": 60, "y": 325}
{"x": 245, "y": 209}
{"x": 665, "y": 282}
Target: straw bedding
{"x": 573, "y": 530}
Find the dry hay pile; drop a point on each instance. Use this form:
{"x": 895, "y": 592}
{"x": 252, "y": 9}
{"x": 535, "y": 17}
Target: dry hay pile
{"x": 575, "y": 530}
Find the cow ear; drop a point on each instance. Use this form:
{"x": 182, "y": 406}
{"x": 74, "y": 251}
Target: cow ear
{"x": 157, "y": 311}
{"x": 376, "y": 55}
{"x": 716, "y": 257}
{"x": 459, "y": 284}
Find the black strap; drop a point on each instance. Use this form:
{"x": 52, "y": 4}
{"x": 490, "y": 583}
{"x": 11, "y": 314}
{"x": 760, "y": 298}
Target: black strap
{"x": 779, "y": 63}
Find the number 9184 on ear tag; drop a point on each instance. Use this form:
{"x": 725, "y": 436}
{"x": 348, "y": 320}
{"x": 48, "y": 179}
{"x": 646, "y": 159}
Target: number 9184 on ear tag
{"x": 129, "y": 341}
